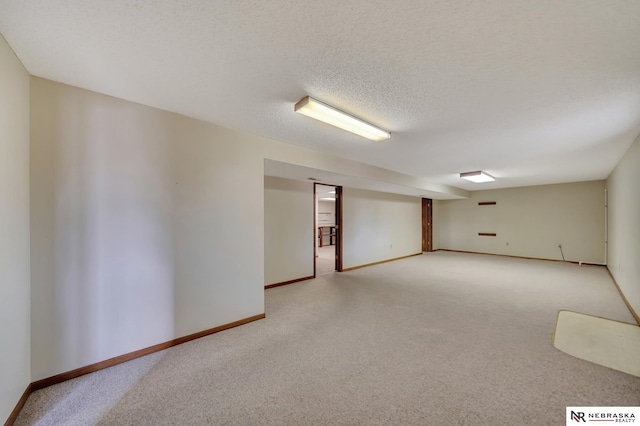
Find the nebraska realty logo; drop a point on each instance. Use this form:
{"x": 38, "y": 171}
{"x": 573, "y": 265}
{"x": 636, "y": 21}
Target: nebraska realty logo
{"x": 602, "y": 414}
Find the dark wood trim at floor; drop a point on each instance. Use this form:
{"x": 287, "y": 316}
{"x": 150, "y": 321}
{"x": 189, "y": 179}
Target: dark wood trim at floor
{"x": 626, "y": 302}
{"x": 14, "y": 414}
{"x": 297, "y": 280}
{"x": 62, "y": 377}
{"x": 523, "y": 257}
{"x": 379, "y": 262}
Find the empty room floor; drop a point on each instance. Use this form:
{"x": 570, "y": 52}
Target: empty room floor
{"x": 442, "y": 338}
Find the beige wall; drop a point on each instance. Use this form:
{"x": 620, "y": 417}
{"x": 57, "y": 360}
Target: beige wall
{"x": 146, "y": 226}
{"x": 14, "y": 230}
{"x": 288, "y": 230}
{"x": 529, "y": 222}
{"x": 328, "y": 207}
{"x": 377, "y": 226}
{"x": 624, "y": 225}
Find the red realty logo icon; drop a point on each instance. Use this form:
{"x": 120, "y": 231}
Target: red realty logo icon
{"x": 577, "y": 416}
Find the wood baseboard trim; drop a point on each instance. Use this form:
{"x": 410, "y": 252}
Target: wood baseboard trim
{"x": 14, "y": 414}
{"x": 379, "y": 262}
{"x": 62, "y": 377}
{"x": 634, "y": 314}
{"x": 524, "y": 257}
{"x": 297, "y": 280}
{"x": 503, "y": 255}
{"x": 585, "y": 263}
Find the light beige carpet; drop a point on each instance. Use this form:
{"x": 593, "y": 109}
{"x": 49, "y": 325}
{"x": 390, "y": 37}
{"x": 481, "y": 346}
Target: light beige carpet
{"x": 606, "y": 342}
{"x": 442, "y": 338}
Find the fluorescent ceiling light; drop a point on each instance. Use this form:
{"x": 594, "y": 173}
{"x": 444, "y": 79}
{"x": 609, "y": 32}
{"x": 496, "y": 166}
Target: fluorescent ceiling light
{"x": 477, "y": 177}
{"x": 327, "y": 199}
{"x": 328, "y": 114}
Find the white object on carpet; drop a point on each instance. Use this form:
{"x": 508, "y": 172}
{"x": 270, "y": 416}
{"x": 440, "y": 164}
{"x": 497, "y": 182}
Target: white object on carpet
{"x": 606, "y": 342}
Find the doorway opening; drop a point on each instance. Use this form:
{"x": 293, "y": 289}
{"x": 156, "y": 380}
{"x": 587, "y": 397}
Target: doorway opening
{"x": 328, "y": 229}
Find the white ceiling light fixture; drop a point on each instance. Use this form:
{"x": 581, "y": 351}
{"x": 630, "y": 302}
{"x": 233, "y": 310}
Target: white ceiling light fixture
{"x": 330, "y": 115}
{"x": 477, "y": 177}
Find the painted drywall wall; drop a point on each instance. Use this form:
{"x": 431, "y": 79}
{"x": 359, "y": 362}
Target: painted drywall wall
{"x": 14, "y": 229}
{"x": 326, "y": 212}
{"x": 377, "y": 226}
{"x": 624, "y": 225}
{"x": 529, "y": 222}
{"x": 146, "y": 226}
{"x": 288, "y": 230}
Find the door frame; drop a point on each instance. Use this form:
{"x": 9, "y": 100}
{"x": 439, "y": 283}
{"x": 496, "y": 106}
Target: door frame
{"x": 338, "y": 216}
{"x": 427, "y": 224}
{"x": 339, "y": 228}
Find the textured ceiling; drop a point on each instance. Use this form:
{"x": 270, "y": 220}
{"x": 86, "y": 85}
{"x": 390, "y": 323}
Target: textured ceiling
{"x": 532, "y": 92}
